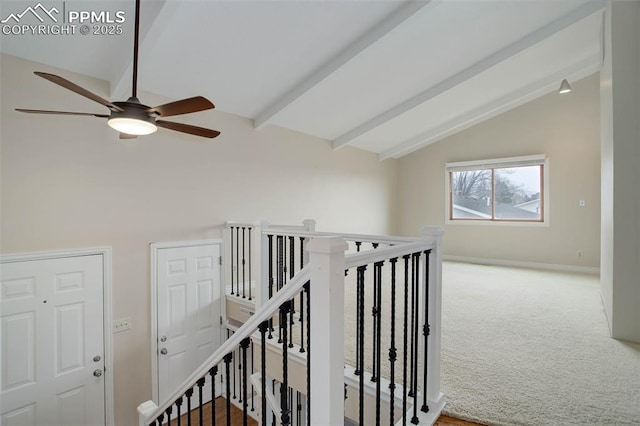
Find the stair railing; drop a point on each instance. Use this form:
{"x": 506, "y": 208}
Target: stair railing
{"x": 324, "y": 278}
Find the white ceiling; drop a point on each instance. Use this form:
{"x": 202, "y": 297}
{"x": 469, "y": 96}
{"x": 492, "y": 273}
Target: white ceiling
{"x": 385, "y": 76}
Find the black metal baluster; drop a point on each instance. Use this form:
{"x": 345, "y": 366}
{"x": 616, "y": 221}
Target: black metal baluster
{"x": 270, "y": 237}
{"x": 358, "y": 244}
{"x": 244, "y": 279}
{"x": 360, "y": 279}
{"x": 238, "y": 260}
{"x": 179, "y": 410}
{"x": 227, "y": 360}
{"x": 299, "y": 409}
{"x": 426, "y": 331}
{"x": 212, "y": 372}
{"x": 392, "y": 346}
{"x": 378, "y": 348}
{"x": 374, "y": 317}
{"x": 244, "y": 344}
{"x": 231, "y": 257}
{"x": 375, "y": 245}
{"x": 253, "y": 407}
{"x": 307, "y": 289}
{"x": 263, "y": 369}
{"x": 200, "y": 402}
{"x": 413, "y": 325}
{"x": 249, "y": 263}
{"x": 404, "y": 351}
{"x": 168, "y": 413}
{"x": 241, "y": 391}
{"x": 284, "y": 310}
{"x": 302, "y": 298}
{"x": 292, "y": 306}
{"x": 160, "y": 419}
{"x": 292, "y": 259}
{"x": 234, "y": 375}
{"x": 415, "y": 419}
{"x": 188, "y": 394}
{"x": 302, "y": 350}
{"x": 280, "y": 267}
{"x": 280, "y": 262}
{"x": 359, "y": 308}
{"x": 273, "y": 390}
{"x": 290, "y": 402}
{"x": 284, "y": 260}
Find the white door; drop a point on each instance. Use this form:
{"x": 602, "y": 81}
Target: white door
{"x": 188, "y": 312}
{"x": 52, "y": 342}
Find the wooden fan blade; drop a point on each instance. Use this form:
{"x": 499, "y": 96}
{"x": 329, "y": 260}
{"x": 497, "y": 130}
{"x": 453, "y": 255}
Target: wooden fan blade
{"x": 42, "y": 111}
{"x": 184, "y": 106}
{"x": 187, "y": 128}
{"x": 75, "y": 88}
{"x": 127, "y": 136}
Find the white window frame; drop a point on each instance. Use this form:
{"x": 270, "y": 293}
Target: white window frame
{"x": 530, "y": 160}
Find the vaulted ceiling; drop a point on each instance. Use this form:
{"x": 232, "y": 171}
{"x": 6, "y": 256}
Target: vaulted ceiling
{"x": 385, "y": 76}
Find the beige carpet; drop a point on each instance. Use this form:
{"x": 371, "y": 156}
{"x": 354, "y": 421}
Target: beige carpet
{"x": 524, "y": 347}
{"x": 520, "y": 347}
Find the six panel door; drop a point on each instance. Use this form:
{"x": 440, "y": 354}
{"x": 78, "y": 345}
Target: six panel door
{"x": 188, "y": 307}
{"x": 51, "y": 328}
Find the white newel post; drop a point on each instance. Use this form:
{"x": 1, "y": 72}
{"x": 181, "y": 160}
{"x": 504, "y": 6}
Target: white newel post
{"x": 310, "y": 225}
{"x": 145, "y": 410}
{"x": 434, "y": 233}
{"x": 326, "y": 259}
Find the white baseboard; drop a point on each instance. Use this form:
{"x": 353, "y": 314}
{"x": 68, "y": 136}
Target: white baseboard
{"x": 520, "y": 264}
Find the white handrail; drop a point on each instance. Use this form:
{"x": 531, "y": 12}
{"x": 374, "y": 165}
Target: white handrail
{"x": 385, "y": 239}
{"x": 368, "y": 257}
{"x": 246, "y": 330}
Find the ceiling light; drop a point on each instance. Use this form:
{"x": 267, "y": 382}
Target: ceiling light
{"x": 132, "y": 126}
{"x": 564, "y": 87}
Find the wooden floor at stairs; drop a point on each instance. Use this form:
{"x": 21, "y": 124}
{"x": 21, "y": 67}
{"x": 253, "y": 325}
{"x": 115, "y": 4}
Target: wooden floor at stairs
{"x": 221, "y": 415}
{"x": 450, "y": 421}
{"x": 236, "y": 416}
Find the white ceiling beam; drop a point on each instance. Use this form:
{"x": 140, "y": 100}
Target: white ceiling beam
{"x": 529, "y": 40}
{"x": 392, "y": 21}
{"x": 576, "y": 71}
{"x": 153, "y": 20}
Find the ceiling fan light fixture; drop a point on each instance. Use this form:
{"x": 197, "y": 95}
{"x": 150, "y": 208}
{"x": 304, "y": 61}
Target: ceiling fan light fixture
{"x": 565, "y": 87}
{"x": 132, "y": 126}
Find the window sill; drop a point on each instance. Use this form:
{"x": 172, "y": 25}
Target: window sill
{"x": 544, "y": 224}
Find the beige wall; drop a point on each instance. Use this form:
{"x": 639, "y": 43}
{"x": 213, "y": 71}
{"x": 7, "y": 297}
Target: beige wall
{"x": 68, "y": 182}
{"x": 566, "y": 129}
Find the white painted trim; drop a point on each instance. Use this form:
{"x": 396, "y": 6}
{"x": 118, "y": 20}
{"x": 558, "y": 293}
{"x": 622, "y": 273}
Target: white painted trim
{"x": 377, "y": 32}
{"x": 154, "y": 247}
{"x": 484, "y": 64}
{"x": 523, "y": 264}
{"x": 107, "y": 309}
{"x": 576, "y": 71}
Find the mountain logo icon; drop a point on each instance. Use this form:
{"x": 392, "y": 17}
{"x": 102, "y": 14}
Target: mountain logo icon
{"x": 33, "y": 11}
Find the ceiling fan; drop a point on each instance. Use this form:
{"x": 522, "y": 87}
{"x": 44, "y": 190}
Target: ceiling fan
{"x": 131, "y": 118}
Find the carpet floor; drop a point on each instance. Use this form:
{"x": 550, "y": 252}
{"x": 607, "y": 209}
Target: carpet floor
{"x": 525, "y": 347}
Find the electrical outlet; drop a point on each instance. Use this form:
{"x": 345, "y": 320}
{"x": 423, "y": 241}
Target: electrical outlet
{"x": 579, "y": 255}
{"x": 121, "y": 324}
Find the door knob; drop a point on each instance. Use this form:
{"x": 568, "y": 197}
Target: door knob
{"x": 97, "y": 373}
{"x": 163, "y": 351}
{"x": 96, "y": 358}
{"x": 163, "y": 339}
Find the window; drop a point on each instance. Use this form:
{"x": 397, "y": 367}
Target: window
{"x": 501, "y": 190}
